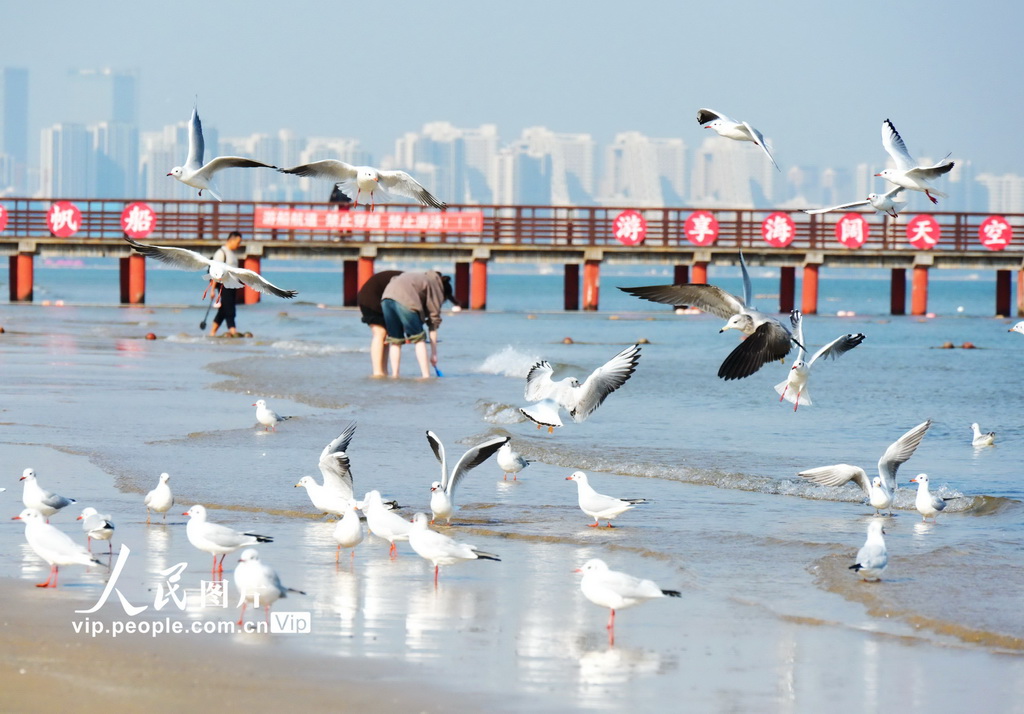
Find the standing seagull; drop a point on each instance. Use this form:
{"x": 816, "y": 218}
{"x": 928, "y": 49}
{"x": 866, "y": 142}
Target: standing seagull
{"x": 439, "y": 549}
{"x": 442, "y": 493}
{"x": 97, "y": 526}
{"x": 580, "y": 400}
{"x": 616, "y": 590}
{"x": 334, "y": 495}
{"x": 897, "y": 453}
{"x": 510, "y": 462}
{"x": 383, "y": 523}
{"x": 36, "y": 497}
{"x": 1019, "y": 327}
{"x": 221, "y": 274}
{"x": 907, "y": 173}
{"x": 160, "y": 499}
{"x": 348, "y": 533}
{"x": 258, "y": 583}
{"x": 889, "y": 202}
{"x": 267, "y": 416}
{"x": 216, "y": 539}
{"x": 379, "y": 184}
{"x": 767, "y": 339}
{"x": 981, "y": 439}
{"x": 872, "y": 557}
{"x": 794, "y": 388}
{"x": 52, "y": 545}
{"x": 928, "y": 504}
{"x": 730, "y": 129}
{"x": 597, "y": 505}
{"x": 198, "y": 175}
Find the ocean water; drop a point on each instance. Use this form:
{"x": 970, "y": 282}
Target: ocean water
{"x": 769, "y": 606}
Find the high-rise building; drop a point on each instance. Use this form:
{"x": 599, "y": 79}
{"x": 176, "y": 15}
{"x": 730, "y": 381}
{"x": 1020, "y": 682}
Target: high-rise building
{"x": 102, "y": 95}
{"x": 14, "y": 129}
{"x": 117, "y": 160}
{"x": 644, "y": 172}
{"x": 66, "y": 162}
{"x": 731, "y": 174}
{"x": 571, "y": 170}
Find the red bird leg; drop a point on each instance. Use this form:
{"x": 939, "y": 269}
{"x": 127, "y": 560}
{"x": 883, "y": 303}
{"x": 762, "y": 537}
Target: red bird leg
{"x": 53, "y": 577}
{"x": 611, "y": 621}
{"x": 595, "y": 524}
{"x": 437, "y": 570}
{"x": 242, "y": 615}
{"x": 931, "y": 197}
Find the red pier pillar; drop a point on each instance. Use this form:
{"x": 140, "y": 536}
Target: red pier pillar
{"x": 478, "y": 284}
{"x": 133, "y": 279}
{"x": 898, "y": 292}
{"x": 250, "y": 296}
{"x": 700, "y": 272}
{"x": 1020, "y": 293}
{"x": 919, "y": 291}
{"x": 591, "y": 283}
{"x": 809, "y": 293}
{"x": 349, "y": 282}
{"x": 1003, "y": 290}
{"x": 682, "y": 275}
{"x": 462, "y": 283}
{"x": 571, "y": 285}
{"x": 787, "y": 288}
{"x": 21, "y": 277}
{"x": 365, "y": 271}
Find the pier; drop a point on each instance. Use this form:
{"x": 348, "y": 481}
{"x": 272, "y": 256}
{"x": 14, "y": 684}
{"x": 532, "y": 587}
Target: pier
{"x": 580, "y": 239}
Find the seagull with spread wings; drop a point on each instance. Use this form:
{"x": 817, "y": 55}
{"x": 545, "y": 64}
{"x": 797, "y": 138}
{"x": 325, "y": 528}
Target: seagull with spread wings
{"x": 794, "y": 388}
{"x": 359, "y": 179}
{"x": 889, "y": 202}
{"x": 731, "y": 129}
{"x": 442, "y": 493}
{"x": 907, "y": 173}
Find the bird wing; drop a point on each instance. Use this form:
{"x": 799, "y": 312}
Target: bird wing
{"x": 893, "y": 144}
{"x": 544, "y": 412}
{"x": 709, "y": 298}
{"x": 330, "y": 169}
{"x": 872, "y": 556}
{"x": 438, "y": 448}
{"x": 898, "y": 452}
{"x": 748, "y": 287}
{"x": 473, "y": 458}
{"x": 629, "y": 586}
{"x": 759, "y": 140}
{"x": 258, "y": 283}
{"x": 837, "y": 475}
{"x": 796, "y": 319}
{"x": 405, "y": 185}
{"x": 706, "y": 115}
{"x": 931, "y": 172}
{"x": 334, "y": 465}
{"x": 538, "y": 382}
{"x": 839, "y": 346}
{"x": 176, "y": 257}
{"x": 228, "y": 162}
{"x": 770, "y": 341}
{"x": 603, "y": 381}
{"x": 842, "y": 207}
{"x": 196, "y": 146}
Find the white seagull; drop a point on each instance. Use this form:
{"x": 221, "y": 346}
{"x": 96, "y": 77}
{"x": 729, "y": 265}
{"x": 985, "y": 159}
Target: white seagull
{"x": 907, "y": 173}
{"x": 52, "y": 545}
{"x": 889, "y": 202}
{"x": 768, "y": 340}
{"x": 872, "y": 557}
{"x": 1019, "y": 327}
{"x": 597, "y": 505}
{"x": 731, "y": 129}
{"x": 221, "y": 274}
{"x": 199, "y": 175}
{"x": 882, "y": 492}
{"x": 98, "y": 526}
{"x": 334, "y": 495}
{"x": 928, "y": 504}
{"x": 439, "y": 549}
{"x": 357, "y": 179}
{"x": 348, "y": 532}
{"x": 383, "y": 523}
{"x": 794, "y": 387}
{"x": 267, "y": 416}
{"x": 442, "y": 493}
{"x": 580, "y": 400}
{"x": 258, "y": 583}
{"x": 160, "y": 499}
{"x": 36, "y": 497}
{"x": 216, "y": 539}
{"x": 509, "y": 461}
{"x": 616, "y": 590}
{"x": 981, "y": 439}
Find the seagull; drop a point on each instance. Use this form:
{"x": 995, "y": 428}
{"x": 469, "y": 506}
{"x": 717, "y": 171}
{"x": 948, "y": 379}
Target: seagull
{"x": 510, "y": 461}
{"x": 1019, "y": 327}
{"x": 198, "y": 175}
{"x": 982, "y": 439}
{"x": 258, "y": 583}
{"x": 442, "y": 493}
{"x": 580, "y": 400}
{"x": 872, "y": 557}
{"x": 794, "y": 388}
{"x": 616, "y": 590}
{"x": 767, "y": 339}
{"x": 439, "y": 549}
{"x": 52, "y": 545}
{"x": 267, "y": 416}
{"x": 928, "y": 504}
{"x": 348, "y": 532}
{"x": 730, "y": 129}
{"x": 597, "y": 505}
{"x": 160, "y": 499}
{"x": 36, "y": 497}
{"x": 334, "y": 495}
{"x": 897, "y": 453}
{"x": 383, "y": 523}
{"x": 216, "y": 539}
{"x": 379, "y": 184}
{"x": 907, "y": 173}
{"x": 221, "y": 274}
{"x": 889, "y": 202}
{"x": 97, "y": 526}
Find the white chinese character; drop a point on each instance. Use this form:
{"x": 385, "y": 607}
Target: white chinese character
{"x": 130, "y": 610}
{"x": 395, "y": 220}
{"x": 173, "y": 576}
{"x": 923, "y": 233}
{"x": 851, "y": 231}
{"x": 628, "y": 228}
{"x": 436, "y": 221}
{"x": 213, "y": 593}
{"x": 140, "y": 220}
{"x": 777, "y": 230}
{"x": 994, "y": 233}
{"x": 373, "y": 220}
{"x": 267, "y": 217}
{"x": 312, "y": 219}
{"x": 60, "y": 218}
{"x": 701, "y": 229}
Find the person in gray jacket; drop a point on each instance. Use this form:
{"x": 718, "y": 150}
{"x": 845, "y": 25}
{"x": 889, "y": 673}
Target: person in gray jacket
{"x": 410, "y": 301}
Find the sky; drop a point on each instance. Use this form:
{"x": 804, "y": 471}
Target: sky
{"x": 817, "y": 78}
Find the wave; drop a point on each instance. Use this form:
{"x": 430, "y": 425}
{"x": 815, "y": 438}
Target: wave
{"x": 309, "y": 348}
{"x": 508, "y": 362}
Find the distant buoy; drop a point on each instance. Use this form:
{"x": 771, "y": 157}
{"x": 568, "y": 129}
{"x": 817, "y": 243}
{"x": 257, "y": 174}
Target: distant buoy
{"x": 643, "y": 341}
{"x": 322, "y": 306}
{"x": 150, "y": 336}
{"x": 531, "y": 317}
{"x": 947, "y": 345}
{"x": 968, "y": 346}
{"x": 960, "y": 308}
{"x": 567, "y": 341}
{"x": 1, "y": 330}
{"x": 929, "y": 314}
{"x": 59, "y": 303}
{"x": 613, "y": 317}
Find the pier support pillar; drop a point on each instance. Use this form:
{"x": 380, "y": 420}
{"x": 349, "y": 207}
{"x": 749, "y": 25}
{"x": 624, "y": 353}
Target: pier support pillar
{"x": 809, "y": 291}
{"x": 1003, "y": 290}
{"x": 478, "y": 284}
{"x": 462, "y": 283}
{"x": 1020, "y": 293}
{"x": 250, "y": 296}
{"x": 21, "y": 277}
{"x": 919, "y": 291}
{"x": 349, "y": 282}
{"x": 571, "y": 285}
{"x": 700, "y": 272}
{"x": 133, "y": 279}
{"x": 682, "y": 275}
{"x": 365, "y": 270}
{"x": 591, "y": 283}
{"x": 787, "y": 288}
{"x": 898, "y": 292}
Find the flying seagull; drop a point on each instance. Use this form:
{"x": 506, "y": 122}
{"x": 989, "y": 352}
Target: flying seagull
{"x": 889, "y": 202}
{"x": 794, "y": 387}
{"x": 731, "y": 129}
{"x": 358, "y": 179}
{"x": 442, "y": 493}
{"x": 907, "y": 173}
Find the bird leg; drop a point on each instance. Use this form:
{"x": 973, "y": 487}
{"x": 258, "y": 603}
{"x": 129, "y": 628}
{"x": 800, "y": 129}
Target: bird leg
{"x": 931, "y": 197}
{"x": 437, "y": 570}
{"x": 356, "y": 201}
{"x": 551, "y": 430}
{"x": 783, "y": 395}
{"x": 148, "y": 514}
{"x": 242, "y": 615}
{"x": 88, "y": 543}
{"x": 610, "y": 524}
{"x": 797, "y": 402}
{"x": 53, "y": 577}
{"x": 373, "y": 202}
{"x": 393, "y": 551}
{"x": 595, "y": 524}
{"x": 611, "y": 621}
{"x": 337, "y": 555}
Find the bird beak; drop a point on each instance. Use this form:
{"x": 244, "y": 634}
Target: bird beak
{"x": 878, "y": 174}
{"x": 79, "y": 518}
{"x": 168, "y": 173}
{"x": 16, "y": 518}
{"x": 23, "y": 478}
{"x": 578, "y": 570}
{"x": 297, "y": 485}
{"x": 185, "y": 513}
{"x": 433, "y": 488}
{"x": 913, "y": 480}
{"x": 568, "y": 478}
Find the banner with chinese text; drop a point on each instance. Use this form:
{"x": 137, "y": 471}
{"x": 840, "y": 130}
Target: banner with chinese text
{"x": 391, "y": 221}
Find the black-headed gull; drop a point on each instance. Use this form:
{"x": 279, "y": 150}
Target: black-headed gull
{"x": 52, "y": 545}
{"x": 509, "y": 461}
{"x": 334, "y": 495}
{"x": 221, "y": 274}
{"x": 731, "y": 129}
{"x": 768, "y": 340}
{"x": 379, "y": 184}
{"x": 442, "y": 493}
{"x": 889, "y": 202}
{"x": 982, "y": 439}
{"x": 1019, "y": 327}
{"x": 97, "y": 526}
{"x": 267, "y": 416}
{"x": 872, "y": 558}
{"x": 216, "y": 539}
{"x": 897, "y": 453}
{"x": 199, "y": 175}
{"x": 907, "y": 173}
{"x": 383, "y": 523}
{"x": 348, "y": 532}
{"x": 439, "y": 549}
{"x": 597, "y": 505}
{"x": 258, "y": 583}
{"x": 36, "y": 497}
{"x": 160, "y": 499}
{"x": 927, "y": 503}
{"x": 580, "y": 400}
{"x": 794, "y": 387}
{"x": 616, "y": 590}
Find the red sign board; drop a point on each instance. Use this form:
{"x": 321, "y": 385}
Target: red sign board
{"x": 778, "y": 230}
{"x": 852, "y": 230}
{"x": 63, "y": 219}
{"x": 384, "y": 221}
{"x": 995, "y": 233}
{"x": 701, "y": 228}
{"x": 3, "y": 218}
{"x": 923, "y": 232}
{"x": 629, "y": 228}
{"x": 138, "y": 220}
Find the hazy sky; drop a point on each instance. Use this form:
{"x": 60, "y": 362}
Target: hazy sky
{"x": 816, "y": 77}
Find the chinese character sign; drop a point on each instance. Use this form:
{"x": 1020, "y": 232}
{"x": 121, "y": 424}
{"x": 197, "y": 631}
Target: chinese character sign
{"x": 995, "y": 233}
{"x": 63, "y": 219}
{"x": 701, "y": 228}
{"x": 629, "y": 228}
{"x": 391, "y": 221}
{"x": 852, "y": 230}
{"x": 778, "y": 230}
{"x": 923, "y": 232}
{"x": 138, "y": 220}
{"x": 3, "y": 218}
